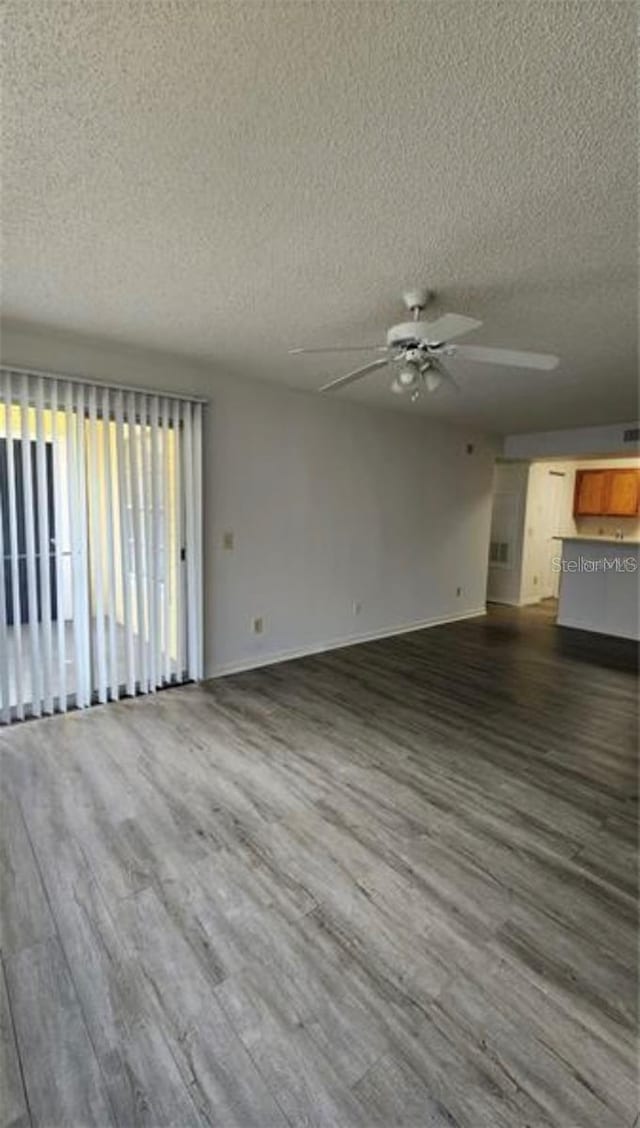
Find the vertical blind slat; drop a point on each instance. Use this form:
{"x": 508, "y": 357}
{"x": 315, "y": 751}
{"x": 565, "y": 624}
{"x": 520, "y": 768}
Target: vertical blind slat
{"x": 60, "y": 505}
{"x": 138, "y": 556}
{"x": 147, "y": 525}
{"x": 126, "y": 555}
{"x": 180, "y": 538}
{"x": 75, "y": 533}
{"x": 189, "y": 540}
{"x": 156, "y": 516}
{"x": 167, "y": 603}
{"x": 5, "y": 704}
{"x": 199, "y": 563}
{"x": 109, "y": 516}
{"x": 96, "y": 552}
{"x": 44, "y": 550}
{"x": 30, "y": 551}
{"x": 16, "y": 596}
{"x": 82, "y": 596}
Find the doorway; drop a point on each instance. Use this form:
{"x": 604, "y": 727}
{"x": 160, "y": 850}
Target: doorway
{"x": 550, "y": 528}
{"x": 530, "y": 506}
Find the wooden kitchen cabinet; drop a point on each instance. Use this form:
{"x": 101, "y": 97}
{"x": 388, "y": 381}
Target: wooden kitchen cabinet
{"x": 607, "y": 493}
{"x": 589, "y": 495}
{"x": 623, "y": 493}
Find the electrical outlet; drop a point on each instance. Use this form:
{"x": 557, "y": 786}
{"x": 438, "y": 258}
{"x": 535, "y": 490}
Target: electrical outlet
{"x": 227, "y": 540}
{"x": 535, "y": 581}
{"x": 257, "y": 625}
{"x": 356, "y": 607}
{"x": 458, "y": 592}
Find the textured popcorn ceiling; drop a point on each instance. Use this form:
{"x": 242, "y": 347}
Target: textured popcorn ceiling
{"x": 230, "y": 179}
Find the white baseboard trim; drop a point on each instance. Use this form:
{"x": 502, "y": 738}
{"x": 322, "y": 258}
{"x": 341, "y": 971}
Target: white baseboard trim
{"x": 257, "y": 661}
{"x": 529, "y": 602}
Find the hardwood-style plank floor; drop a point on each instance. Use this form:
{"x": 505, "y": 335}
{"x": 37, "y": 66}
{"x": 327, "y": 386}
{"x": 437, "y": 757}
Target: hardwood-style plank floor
{"x": 390, "y": 885}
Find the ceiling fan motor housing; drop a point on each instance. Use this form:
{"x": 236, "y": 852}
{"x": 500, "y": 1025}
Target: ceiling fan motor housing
{"x": 414, "y": 354}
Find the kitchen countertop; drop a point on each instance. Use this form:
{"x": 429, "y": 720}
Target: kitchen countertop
{"x": 596, "y": 539}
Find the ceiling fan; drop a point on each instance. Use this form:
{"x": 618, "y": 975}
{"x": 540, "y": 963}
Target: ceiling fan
{"x": 416, "y": 350}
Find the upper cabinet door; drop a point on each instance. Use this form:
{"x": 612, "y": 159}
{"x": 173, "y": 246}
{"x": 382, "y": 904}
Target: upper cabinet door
{"x": 623, "y": 493}
{"x": 590, "y": 493}
{"x": 607, "y": 493}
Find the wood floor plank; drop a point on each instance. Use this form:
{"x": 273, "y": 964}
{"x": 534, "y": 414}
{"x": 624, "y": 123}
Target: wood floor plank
{"x": 223, "y": 1080}
{"x": 562, "y": 1068}
{"x": 564, "y": 888}
{"x": 393, "y": 884}
{"x": 140, "y": 1074}
{"x": 63, "y": 1080}
{"x": 595, "y": 984}
{"x": 394, "y": 1094}
{"x": 470, "y": 1087}
{"x": 307, "y": 1087}
{"x": 14, "y": 1112}
{"x": 71, "y": 788}
{"x": 25, "y": 916}
{"x": 612, "y": 860}
{"x": 258, "y": 946}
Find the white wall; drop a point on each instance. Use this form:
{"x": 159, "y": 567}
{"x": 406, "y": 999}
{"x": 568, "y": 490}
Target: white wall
{"x": 330, "y": 504}
{"x": 580, "y": 441}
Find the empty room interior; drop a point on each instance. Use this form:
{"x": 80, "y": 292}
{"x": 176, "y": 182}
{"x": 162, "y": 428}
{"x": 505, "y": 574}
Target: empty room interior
{"x": 319, "y": 564}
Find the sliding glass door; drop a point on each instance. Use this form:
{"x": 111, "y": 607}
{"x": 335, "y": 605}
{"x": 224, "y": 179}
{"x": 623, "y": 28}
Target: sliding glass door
{"x": 20, "y": 605}
{"x": 100, "y": 507}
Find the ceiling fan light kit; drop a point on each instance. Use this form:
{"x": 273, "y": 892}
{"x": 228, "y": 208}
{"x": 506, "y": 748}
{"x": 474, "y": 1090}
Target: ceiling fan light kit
{"x": 408, "y": 375}
{"x": 432, "y": 380}
{"x": 417, "y": 348}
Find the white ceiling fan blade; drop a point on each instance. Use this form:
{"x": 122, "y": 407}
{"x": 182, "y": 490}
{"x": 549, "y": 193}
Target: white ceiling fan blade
{"x": 449, "y": 326}
{"x": 341, "y": 349}
{"x": 510, "y": 357}
{"x": 341, "y": 381}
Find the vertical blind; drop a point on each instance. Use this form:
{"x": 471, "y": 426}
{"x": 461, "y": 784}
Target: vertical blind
{"x": 100, "y": 543}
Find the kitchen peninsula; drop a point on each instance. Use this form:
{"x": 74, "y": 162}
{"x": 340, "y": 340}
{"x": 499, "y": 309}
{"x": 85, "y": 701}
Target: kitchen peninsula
{"x": 599, "y": 585}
